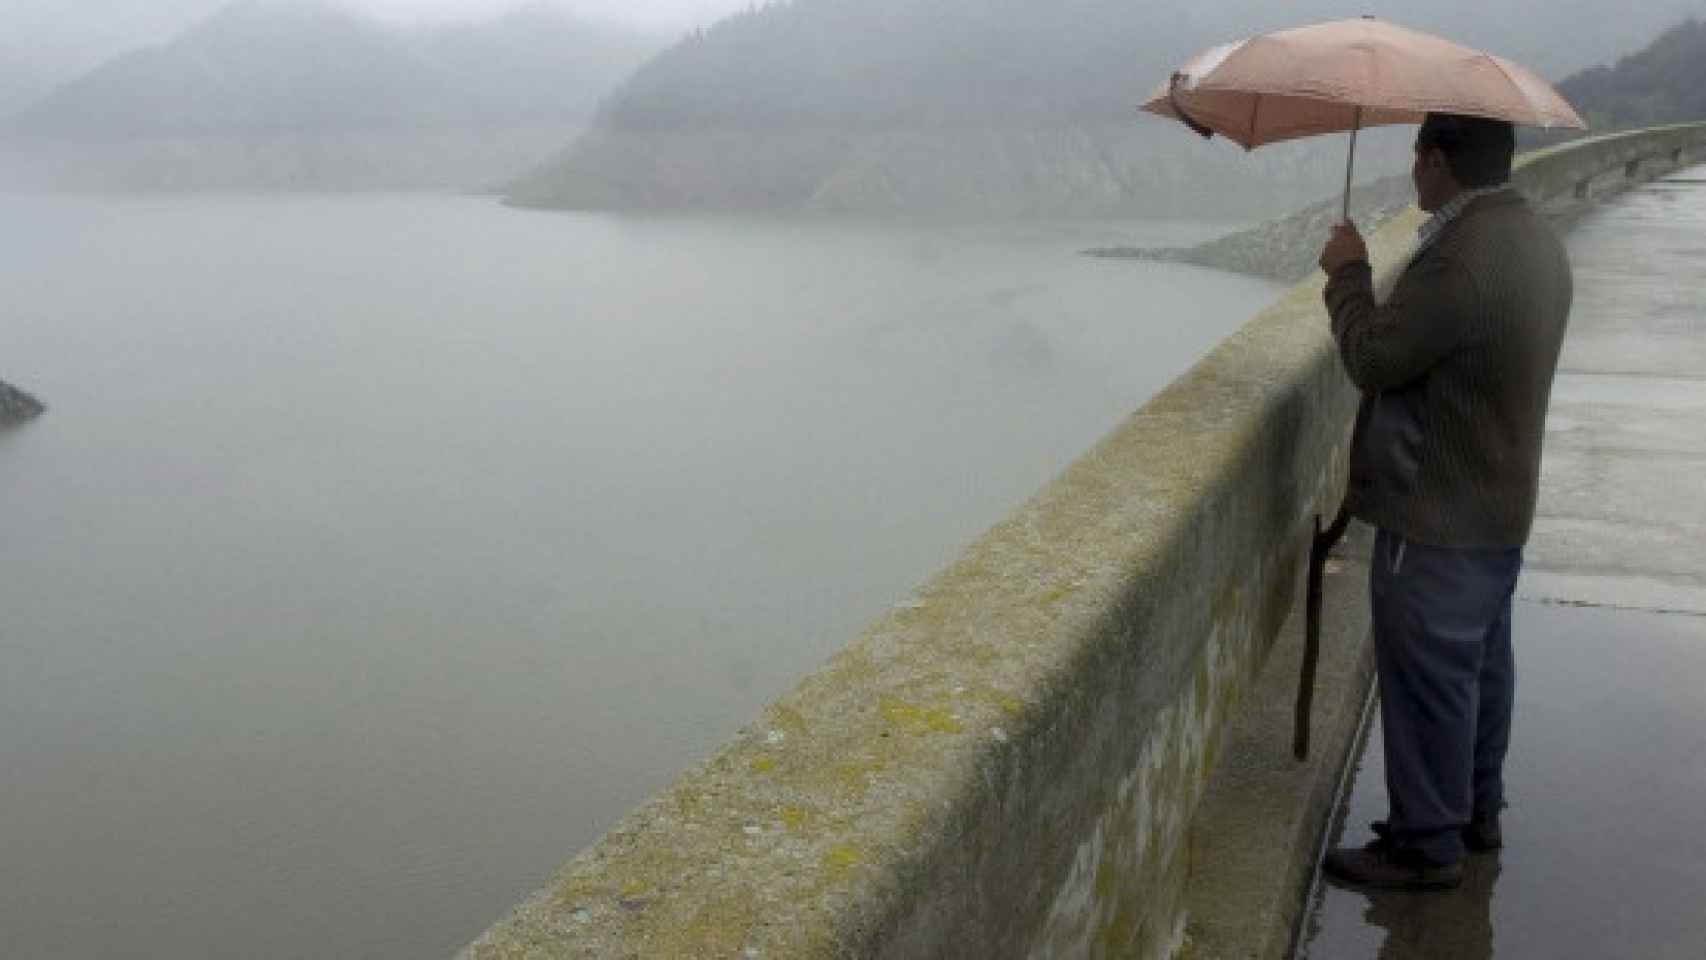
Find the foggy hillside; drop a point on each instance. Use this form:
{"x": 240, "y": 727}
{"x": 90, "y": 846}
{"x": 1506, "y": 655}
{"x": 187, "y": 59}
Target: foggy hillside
{"x": 18, "y": 84}
{"x": 46, "y": 42}
{"x": 1011, "y": 107}
{"x": 1664, "y": 83}
{"x": 304, "y": 93}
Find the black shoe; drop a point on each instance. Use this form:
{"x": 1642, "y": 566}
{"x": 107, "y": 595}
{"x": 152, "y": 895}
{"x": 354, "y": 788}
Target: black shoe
{"x": 1384, "y": 865}
{"x": 1483, "y": 835}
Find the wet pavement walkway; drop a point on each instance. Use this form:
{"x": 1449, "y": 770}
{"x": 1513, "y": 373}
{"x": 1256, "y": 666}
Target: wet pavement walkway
{"x": 1605, "y": 837}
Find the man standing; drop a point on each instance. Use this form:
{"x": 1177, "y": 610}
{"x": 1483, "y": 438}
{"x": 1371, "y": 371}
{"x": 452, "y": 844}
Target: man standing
{"x": 1456, "y": 371}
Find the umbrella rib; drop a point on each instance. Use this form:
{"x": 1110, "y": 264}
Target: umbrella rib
{"x": 1544, "y": 112}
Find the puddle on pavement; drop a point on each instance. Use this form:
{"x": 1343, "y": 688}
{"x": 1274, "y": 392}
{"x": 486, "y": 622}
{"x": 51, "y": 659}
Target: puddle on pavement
{"x": 1605, "y": 838}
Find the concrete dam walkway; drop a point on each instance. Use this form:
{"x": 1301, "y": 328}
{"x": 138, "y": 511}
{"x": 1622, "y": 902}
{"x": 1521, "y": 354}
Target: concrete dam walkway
{"x": 1605, "y": 838}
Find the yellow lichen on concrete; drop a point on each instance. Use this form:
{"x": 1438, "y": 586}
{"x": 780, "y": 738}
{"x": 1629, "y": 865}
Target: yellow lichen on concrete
{"x": 1057, "y": 594}
{"x": 841, "y": 859}
{"x": 787, "y": 719}
{"x": 636, "y": 889}
{"x": 801, "y": 821}
{"x": 918, "y": 721}
{"x": 722, "y": 928}
{"x": 853, "y": 778}
{"x": 570, "y": 891}
{"x": 688, "y": 805}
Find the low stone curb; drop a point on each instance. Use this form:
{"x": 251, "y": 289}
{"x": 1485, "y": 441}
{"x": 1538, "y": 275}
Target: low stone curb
{"x": 1256, "y": 839}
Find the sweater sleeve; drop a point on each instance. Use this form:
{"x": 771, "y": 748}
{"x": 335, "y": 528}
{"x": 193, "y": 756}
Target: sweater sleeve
{"x": 1423, "y": 321}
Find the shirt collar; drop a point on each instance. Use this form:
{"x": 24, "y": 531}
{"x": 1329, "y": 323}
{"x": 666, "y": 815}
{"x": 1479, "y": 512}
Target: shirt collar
{"x": 1451, "y": 210}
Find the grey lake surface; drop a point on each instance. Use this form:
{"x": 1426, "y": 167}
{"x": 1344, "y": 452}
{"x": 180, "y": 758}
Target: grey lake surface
{"x": 376, "y": 552}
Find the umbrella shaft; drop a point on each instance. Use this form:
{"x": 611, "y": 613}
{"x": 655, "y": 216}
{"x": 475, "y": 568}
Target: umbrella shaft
{"x": 1350, "y": 165}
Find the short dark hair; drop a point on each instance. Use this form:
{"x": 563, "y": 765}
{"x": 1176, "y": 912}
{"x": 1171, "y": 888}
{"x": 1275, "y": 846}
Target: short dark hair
{"x": 1477, "y": 150}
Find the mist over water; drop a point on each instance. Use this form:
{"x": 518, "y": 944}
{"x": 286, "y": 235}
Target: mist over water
{"x": 377, "y": 552}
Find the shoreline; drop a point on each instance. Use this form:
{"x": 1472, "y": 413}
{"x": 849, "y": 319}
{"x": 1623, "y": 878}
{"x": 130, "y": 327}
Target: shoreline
{"x": 16, "y": 406}
{"x": 1285, "y": 249}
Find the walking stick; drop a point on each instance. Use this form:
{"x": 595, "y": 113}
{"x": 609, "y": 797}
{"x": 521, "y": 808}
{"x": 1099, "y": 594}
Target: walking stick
{"x": 1319, "y": 547}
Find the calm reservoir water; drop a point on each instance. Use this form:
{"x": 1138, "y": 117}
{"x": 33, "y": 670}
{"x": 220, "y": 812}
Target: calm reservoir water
{"x": 377, "y": 552}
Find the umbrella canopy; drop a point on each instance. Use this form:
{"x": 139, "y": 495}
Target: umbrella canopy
{"x": 1348, "y": 74}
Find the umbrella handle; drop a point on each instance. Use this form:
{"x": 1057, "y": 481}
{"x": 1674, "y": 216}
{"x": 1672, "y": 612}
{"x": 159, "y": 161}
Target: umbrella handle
{"x": 1319, "y": 547}
{"x": 1350, "y": 165}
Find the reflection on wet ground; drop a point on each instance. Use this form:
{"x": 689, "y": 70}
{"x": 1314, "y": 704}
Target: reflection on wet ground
{"x": 1605, "y": 838}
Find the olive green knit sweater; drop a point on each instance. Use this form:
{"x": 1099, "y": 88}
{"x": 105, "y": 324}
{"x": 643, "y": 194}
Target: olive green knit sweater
{"x": 1456, "y": 371}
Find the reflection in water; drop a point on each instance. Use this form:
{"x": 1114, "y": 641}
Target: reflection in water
{"x": 1455, "y": 923}
{"x": 1397, "y": 924}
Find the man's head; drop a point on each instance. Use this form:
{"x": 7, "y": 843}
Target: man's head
{"x": 1456, "y": 153}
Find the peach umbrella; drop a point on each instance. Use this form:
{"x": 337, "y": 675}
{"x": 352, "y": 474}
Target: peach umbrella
{"x": 1345, "y": 75}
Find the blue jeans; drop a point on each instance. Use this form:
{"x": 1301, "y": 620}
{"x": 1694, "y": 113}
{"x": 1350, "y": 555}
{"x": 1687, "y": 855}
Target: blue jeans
{"x": 1442, "y": 636}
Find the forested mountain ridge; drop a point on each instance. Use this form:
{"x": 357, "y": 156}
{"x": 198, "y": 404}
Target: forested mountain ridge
{"x": 984, "y": 106}
{"x": 1664, "y": 83}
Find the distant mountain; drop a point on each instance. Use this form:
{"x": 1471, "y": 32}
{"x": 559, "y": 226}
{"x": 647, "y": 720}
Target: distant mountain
{"x": 44, "y": 43}
{"x": 306, "y": 93}
{"x": 302, "y": 65}
{"x": 18, "y": 85}
{"x": 1003, "y": 107}
{"x": 1664, "y": 83}
{"x": 256, "y": 66}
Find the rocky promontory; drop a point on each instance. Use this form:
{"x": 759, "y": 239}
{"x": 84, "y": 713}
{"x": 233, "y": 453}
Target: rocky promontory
{"x": 16, "y": 406}
{"x": 1285, "y": 249}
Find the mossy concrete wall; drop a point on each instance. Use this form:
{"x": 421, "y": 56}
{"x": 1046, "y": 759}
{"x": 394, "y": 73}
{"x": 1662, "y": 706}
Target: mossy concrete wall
{"x": 1007, "y": 763}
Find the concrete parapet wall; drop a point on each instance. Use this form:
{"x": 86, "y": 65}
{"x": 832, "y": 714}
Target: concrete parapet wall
{"x": 1008, "y": 763}
{"x": 1594, "y": 167}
